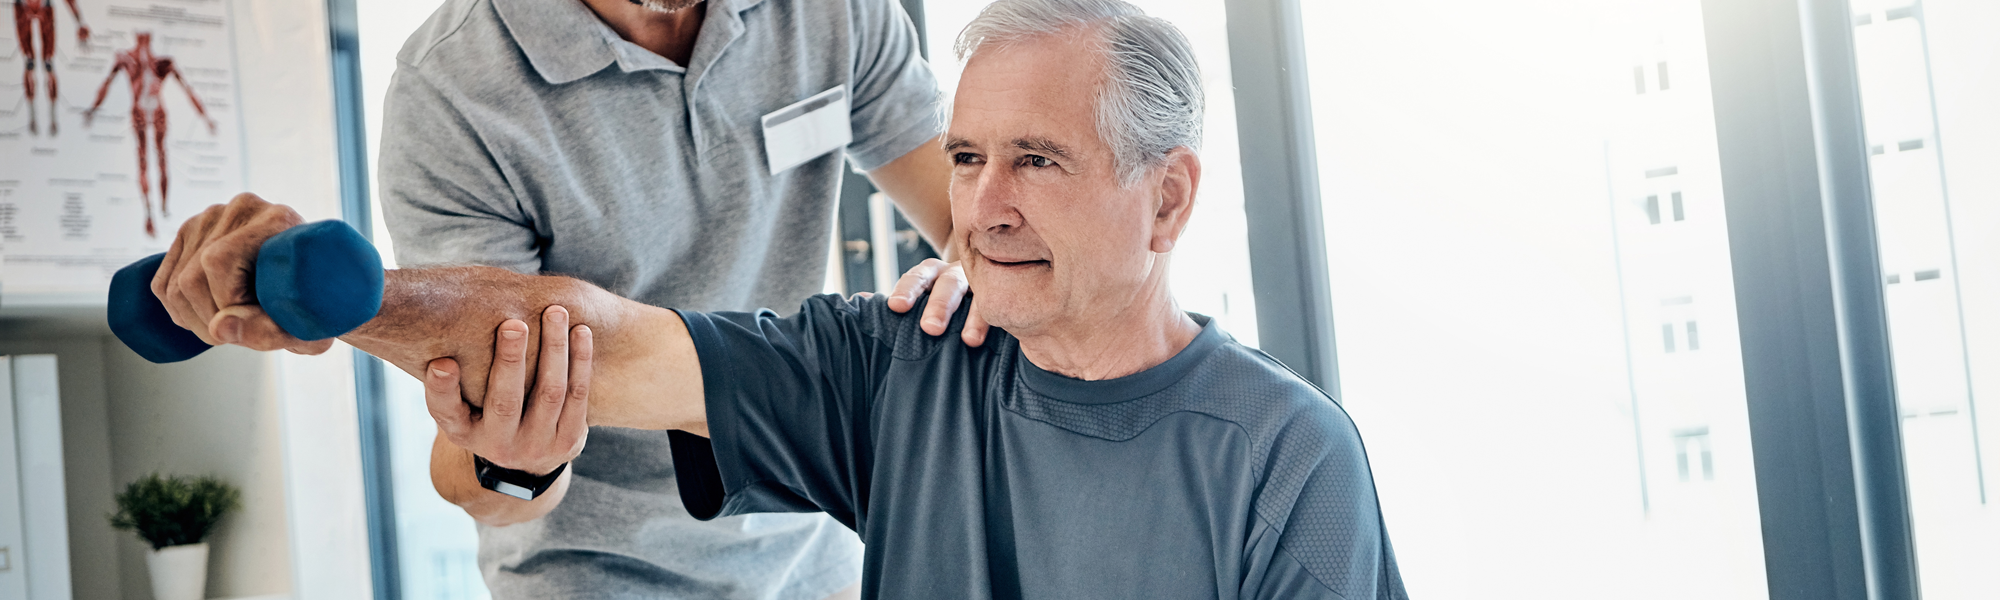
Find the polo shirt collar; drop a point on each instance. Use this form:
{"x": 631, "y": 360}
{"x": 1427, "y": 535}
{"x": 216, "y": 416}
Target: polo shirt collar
{"x": 565, "y": 41}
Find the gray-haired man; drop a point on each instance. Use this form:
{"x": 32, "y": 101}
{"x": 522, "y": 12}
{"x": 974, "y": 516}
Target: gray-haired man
{"x": 1101, "y": 444}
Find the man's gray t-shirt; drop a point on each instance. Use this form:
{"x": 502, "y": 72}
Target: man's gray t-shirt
{"x": 526, "y": 134}
{"x": 973, "y": 473}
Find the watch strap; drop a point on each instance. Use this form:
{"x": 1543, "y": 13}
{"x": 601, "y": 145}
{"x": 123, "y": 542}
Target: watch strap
{"x": 519, "y": 484}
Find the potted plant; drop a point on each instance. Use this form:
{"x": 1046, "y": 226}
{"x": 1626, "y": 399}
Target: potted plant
{"x": 174, "y": 514}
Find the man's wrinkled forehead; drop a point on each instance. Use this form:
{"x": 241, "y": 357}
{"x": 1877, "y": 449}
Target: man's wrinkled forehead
{"x": 1032, "y": 92}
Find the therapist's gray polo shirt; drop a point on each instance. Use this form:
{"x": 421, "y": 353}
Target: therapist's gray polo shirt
{"x": 525, "y": 134}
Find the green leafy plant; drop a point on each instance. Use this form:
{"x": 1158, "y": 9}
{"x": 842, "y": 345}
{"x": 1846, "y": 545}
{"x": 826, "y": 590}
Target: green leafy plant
{"x": 173, "y": 511}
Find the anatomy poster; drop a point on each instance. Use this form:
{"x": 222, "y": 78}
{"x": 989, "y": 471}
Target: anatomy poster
{"x": 118, "y": 121}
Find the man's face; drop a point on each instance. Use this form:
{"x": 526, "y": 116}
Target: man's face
{"x": 1050, "y": 235}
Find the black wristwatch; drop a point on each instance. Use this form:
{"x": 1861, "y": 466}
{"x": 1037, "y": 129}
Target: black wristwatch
{"x": 519, "y": 484}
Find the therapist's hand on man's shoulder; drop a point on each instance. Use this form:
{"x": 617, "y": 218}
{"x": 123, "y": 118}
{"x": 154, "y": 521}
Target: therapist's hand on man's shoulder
{"x": 205, "y": 281}
{"x": 948, "y": 287}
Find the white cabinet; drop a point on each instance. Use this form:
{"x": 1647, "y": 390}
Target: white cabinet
{"x": 34, "y": 534}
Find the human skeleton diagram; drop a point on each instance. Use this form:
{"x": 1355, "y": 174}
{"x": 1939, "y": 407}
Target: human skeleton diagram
{"x": 148, "y": 73}
{"x": 39, "y": 48}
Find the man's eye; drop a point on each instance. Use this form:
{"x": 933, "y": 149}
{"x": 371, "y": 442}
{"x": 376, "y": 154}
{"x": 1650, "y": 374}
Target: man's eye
{"x": 964, "y": 158}
{"x": 1038, "y": 162}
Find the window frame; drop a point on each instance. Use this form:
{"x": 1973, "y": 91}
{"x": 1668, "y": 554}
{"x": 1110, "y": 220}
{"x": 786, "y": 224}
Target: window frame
{"x": 370, "y": 393}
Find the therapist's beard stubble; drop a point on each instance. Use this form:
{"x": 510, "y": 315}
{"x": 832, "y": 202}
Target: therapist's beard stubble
{"x": 666, "y": 6}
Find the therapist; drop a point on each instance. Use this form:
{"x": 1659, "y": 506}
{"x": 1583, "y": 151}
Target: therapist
{"x": 680, "y": 153}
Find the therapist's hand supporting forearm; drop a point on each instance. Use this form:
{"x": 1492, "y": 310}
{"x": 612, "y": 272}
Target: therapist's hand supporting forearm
{"x": 537, "y": 434}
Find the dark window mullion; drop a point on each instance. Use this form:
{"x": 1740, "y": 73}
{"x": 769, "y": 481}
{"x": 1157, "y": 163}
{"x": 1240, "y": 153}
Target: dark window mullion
{"x": 1824, "y": 429}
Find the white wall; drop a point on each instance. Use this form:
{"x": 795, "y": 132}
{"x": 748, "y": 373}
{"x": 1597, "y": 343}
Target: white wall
{"x": 281, "y": 427}
{"x": 214, "y": 415}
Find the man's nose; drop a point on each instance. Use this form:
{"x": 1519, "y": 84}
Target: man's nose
{"x": 994, "y": 206}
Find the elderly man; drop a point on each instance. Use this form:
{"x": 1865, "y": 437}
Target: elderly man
{"x": 1102, "y": 443}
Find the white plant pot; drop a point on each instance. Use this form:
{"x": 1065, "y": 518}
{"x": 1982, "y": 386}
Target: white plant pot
{"x": 179, "y": 572}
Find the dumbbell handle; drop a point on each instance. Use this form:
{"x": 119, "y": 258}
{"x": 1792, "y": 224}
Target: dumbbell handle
{"x": 316, "y": 281}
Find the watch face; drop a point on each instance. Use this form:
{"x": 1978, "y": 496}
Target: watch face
{"x": 511, "y": 489}
{"x": 519, "y": 484}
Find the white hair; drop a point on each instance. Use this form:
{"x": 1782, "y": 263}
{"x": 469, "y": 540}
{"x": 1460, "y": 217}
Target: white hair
{"x": 1151, "y": 98}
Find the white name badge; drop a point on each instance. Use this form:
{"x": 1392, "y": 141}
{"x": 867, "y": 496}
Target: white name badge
{"x": 806, "y": 130}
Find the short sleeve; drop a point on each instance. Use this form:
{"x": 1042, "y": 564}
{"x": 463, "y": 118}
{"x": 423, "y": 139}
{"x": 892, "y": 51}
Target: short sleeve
{"x": 445, "y": 200}
{"x": 1330, "y": 541}
{"x": 895, "y": 96}
{"x": 788, "y": 400}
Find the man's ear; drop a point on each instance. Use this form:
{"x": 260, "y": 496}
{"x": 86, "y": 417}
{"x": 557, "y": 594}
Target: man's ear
{"x": 1176, "y": 199}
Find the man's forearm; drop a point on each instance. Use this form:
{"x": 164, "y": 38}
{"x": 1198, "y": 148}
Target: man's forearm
{"x": 645, "y": 374}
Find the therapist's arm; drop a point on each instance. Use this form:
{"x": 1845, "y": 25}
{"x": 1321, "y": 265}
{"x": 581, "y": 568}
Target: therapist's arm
{"x": 919, "y": 183}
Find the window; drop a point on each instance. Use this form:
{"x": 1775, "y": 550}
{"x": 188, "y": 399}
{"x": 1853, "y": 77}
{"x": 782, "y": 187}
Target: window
{"x": 1565, "y": 293}
{"x": 1927, "y": 90}
{"x": 1677, "y": 318}
{"x": 437, "y": 544}
{"x": 1692, "y": 455}
{"x": 1676, "y": 210}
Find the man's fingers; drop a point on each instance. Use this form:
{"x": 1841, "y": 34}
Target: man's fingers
{"x": 191, "y": 284}
{"x": 507, "y": 381}
{"x": 575, "y": 425}
{"x": 166, "y": 286}
{"x": 538, "y": 422}
{"x": 188, "y": 239}
{"x": 453, "y": 416}
{"x": 311, "y": 348}
{"x": 219, "y": 275}
{"x": 226, "y": 264}
{"x": 207, "y": 268}
{"x": 246, "y": 325}
{"x": 946, "y": 294}
{"x": 182, "y": 315}
{"x": 913, "y": 283}
{"x": 974, "y": 333}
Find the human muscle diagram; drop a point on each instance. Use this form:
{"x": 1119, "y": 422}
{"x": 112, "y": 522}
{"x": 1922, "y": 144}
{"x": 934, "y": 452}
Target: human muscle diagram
{"x": 84, "y": 189}
{"x": 35, "y": 29}
{"x": 149, "y": 73}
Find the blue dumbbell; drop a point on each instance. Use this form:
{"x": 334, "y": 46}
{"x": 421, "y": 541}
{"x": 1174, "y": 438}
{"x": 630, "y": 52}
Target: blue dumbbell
{"x": 316, "y": 281}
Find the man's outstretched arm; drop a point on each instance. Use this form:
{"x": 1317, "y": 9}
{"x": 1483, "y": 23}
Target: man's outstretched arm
{"x": 646, "y": 374}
